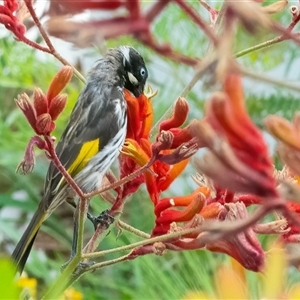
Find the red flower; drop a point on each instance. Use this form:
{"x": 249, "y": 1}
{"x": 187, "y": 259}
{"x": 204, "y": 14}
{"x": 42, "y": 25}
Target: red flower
{"x": 8, "y": 19}
{"x": 41, "y": 114}
{"x": 238, "y": 159}
{"x": 44, "y": 109}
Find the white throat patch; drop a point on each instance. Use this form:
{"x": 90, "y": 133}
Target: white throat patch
{"x": 125, "y": 51}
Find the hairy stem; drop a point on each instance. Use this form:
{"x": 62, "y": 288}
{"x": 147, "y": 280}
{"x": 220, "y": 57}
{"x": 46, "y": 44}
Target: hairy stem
{"x": 263, "y": 78}
{"x": 61, "y": 168}
{"x": 161, "y": 238}
{"x": 133, "y": 230}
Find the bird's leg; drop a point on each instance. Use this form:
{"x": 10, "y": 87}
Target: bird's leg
{"x": 88, "y": 215}
{"x": 104, "y": 219}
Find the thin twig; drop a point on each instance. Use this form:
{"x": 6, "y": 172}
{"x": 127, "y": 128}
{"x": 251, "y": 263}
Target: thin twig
{"x": 48, "y": 41}
{"x": 120, "y": 182}
{"x": 277, "y": 82}
{"x": 133, "y": 230}
{"x": 61, "y": 168}
{"x": 197, "y": 19}
{"x": 160, "y": 238}
{"x": 263, "y": 45}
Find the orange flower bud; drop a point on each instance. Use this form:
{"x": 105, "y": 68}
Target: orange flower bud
{"x": 57, "y": 105}
{"x": 166, "y": 203}
{"x": 181, "y": 110}
{"x": 283, "y": 130}
{"x": 44, "y": 124}
{"x": 171, "y": 215}
{"x": 40, "y": 102}
{"x": 59, "y": 82}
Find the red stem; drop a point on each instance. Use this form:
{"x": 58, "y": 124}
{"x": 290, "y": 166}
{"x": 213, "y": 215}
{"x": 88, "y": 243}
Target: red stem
{"x": 61, "y": 168}
{"x": 191, "y": 12}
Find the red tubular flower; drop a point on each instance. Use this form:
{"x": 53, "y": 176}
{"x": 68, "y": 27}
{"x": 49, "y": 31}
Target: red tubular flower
{"x": 166, "y": 203}
{"x": 171, "y": 174}
{"x": 146, "y": 116}
{"x": 171, "y": 215}
{"x": 191, "y": 205}
{"x": 244, "y": 246}
{"x": 227, "y": 114}
{"x": 181, "y": 135}
{"x": 140, "y": 115}
{"x": 244, "y": 160}
{"x": 180, "y": 113}
{"x": 133, "y": 115}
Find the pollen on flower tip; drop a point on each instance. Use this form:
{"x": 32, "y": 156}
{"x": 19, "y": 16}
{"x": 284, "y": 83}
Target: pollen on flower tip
{"x": 59, "y": 82}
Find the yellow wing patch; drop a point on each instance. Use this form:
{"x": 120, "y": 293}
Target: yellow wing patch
{"x": 87, "y": 151}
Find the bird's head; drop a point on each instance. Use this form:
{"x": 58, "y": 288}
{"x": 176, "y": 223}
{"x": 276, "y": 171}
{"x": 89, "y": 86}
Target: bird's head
{"x": 135, "y": 71}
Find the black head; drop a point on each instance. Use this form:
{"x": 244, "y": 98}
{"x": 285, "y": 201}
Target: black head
{"x": 136, "y": 72}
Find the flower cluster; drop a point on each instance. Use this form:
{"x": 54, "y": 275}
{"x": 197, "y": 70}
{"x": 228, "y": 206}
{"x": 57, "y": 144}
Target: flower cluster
{"x": 288, "y": 148}
{"x": 237, "y": 162}
{"x": 9, "y": 20}
{"x": 139, "y": 151}
{"x": 42, "y": 112}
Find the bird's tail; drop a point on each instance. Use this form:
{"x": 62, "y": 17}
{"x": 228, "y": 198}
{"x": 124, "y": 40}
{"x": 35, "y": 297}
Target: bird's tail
{"x": 23, "y": 248}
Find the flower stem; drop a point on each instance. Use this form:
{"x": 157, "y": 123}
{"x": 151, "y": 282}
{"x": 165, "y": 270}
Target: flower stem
{"x": 133, "y": 230}
{"x": 161, "y": 238}
{"x": 48, "y": 42}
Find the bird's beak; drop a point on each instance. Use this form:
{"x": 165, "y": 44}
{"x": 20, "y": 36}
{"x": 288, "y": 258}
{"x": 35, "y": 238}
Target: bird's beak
{"x": 138, "y": 90}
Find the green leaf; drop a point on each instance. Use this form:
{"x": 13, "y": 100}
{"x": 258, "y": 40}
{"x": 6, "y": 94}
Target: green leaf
{"x": 8, "y": 287}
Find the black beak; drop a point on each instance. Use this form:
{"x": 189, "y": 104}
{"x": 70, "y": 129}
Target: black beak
{"x": 137, "y": 91}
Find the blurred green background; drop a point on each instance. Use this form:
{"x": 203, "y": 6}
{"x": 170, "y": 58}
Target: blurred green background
{"x": 150, "y": 277}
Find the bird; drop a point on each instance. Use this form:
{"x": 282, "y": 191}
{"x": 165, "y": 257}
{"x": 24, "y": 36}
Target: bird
{"x": 92, "y": 138}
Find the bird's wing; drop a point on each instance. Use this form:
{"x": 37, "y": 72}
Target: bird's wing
{"x": 92, "y": 118}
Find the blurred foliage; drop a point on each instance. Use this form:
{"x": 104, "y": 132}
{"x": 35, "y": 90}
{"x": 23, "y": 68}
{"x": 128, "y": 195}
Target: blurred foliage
{"x": 150, "y": 277}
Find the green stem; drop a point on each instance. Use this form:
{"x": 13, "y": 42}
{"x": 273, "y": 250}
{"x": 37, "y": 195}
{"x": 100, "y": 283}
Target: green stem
{"x": 63, "y": 281}
{"x": 133, "y": 230}
{"x": 263, "y": 45}
{"x": 107, "y": 263}
{"x": 259, "y": 77}
{"x": 68, "y": 277}
{"x": 161, "y": 238}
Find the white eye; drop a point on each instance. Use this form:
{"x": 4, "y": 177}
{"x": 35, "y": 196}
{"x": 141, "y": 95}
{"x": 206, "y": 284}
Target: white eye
{"x": 143, "y": 72}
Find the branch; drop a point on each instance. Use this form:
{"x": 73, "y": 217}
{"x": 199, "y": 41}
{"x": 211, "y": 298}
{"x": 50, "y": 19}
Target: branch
{"x": 45, "y": 36}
